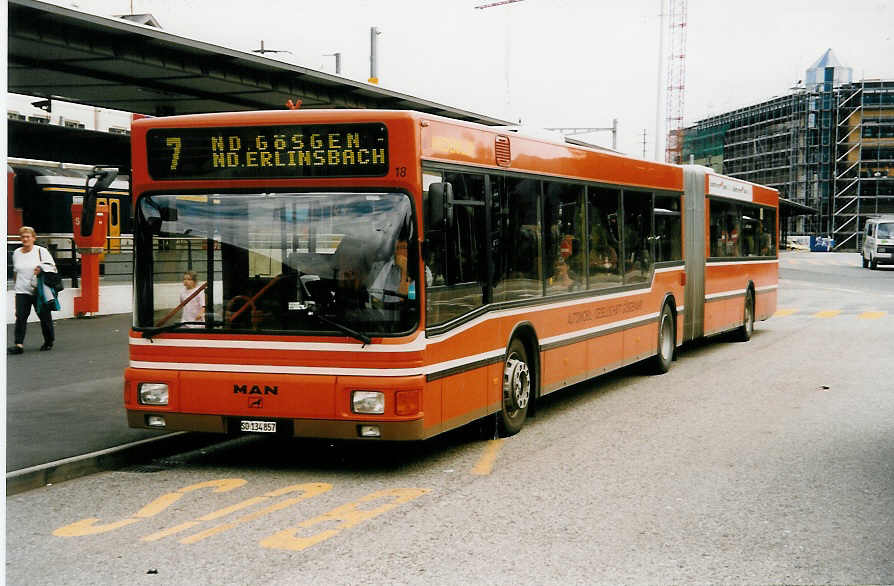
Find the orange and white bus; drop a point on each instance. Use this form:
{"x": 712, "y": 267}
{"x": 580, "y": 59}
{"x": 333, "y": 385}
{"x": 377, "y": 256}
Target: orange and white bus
{"x": 393, "y": 275}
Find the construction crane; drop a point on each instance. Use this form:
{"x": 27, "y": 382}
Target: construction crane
{"x": 675, "y": 97}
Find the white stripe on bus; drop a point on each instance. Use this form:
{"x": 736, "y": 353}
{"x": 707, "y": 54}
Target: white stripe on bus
{"x": 317, "y": 370}
{"x": 740, "y": 262}
{"x": 415, "y": 345}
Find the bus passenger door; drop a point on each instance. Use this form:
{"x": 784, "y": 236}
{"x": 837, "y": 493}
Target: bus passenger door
{"x": 456, "y": 255}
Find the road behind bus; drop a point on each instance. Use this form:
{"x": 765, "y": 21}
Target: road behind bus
{"x": 67, "y": 402}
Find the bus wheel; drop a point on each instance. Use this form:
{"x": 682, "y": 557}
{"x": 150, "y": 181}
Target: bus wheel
{"x": 865, "y": 262}
{"x": 667, "y": 338}
{"x": 873, "y": 264}
{"x": 747, "y": 328}
{"x": 517, "y": 390}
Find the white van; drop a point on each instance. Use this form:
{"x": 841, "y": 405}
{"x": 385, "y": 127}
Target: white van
{"x": 878, "y": 242}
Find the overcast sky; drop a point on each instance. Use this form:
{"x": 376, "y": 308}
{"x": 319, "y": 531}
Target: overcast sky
{"x": 572, "y": 62}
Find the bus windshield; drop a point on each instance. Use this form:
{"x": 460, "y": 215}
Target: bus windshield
{"x": 277, "y": 263}
{"x": 886, "y": 230}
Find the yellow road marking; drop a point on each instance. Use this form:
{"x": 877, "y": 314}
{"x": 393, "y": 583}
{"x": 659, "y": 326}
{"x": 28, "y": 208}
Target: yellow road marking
{"x": 89, "y": 526}
{"x": 873, "y": 314}
{"x": 827, "y": 313}
{"x": 310, "y": 490}
{"x": 344, "y": 517}
{"x": 486, "y": 462}
{"x": 784, "y": 312}
{"x": 237, "y": 507}
{"x": 169, "y": 531}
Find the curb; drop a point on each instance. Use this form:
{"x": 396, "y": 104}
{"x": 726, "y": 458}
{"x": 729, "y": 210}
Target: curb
{"x": 26, "y": 479}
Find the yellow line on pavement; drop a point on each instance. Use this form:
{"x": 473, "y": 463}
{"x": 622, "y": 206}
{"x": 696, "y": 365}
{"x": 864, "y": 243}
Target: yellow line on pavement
{"x": 784, "y": 312}
{"x": 873, "y": 314}
{"x": 486, "y": 463}
{"x": 827, "y": 313}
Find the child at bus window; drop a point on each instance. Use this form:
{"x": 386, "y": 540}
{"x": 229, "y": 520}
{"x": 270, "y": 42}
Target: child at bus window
{"x": 194, "y": 310}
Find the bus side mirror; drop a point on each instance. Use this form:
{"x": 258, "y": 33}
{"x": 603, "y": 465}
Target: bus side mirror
{"x": 104, "y": 177}
{"x": 440, "y": 204}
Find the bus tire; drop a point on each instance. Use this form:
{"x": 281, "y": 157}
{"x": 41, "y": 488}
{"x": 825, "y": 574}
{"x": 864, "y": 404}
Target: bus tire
{"x": 743, "y": 334}
{"x": 865, "y": 262}
{"x": 518, "y": 389}
{"x": 667, "y": 338}
{"x": 873, "y": 264}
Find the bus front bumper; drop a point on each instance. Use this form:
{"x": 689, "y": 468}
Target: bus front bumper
{"x": 314, "y": 428}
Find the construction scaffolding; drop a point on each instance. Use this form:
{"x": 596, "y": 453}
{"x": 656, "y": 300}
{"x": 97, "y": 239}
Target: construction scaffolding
{"x": 827, "y": 145}
{"x": 864, "y": 186}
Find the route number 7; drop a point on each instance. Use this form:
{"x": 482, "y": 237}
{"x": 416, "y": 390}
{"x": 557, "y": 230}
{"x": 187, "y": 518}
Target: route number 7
{"x": 176, "y": 143}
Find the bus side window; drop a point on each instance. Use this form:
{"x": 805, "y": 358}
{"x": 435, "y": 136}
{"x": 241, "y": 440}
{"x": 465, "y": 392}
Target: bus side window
{"x": 604, "y": 252}
{"x": 519, "y": 231}
{"x": 751, "y": 228}
{"x": 668, "y": 229}
{"x": 564, "y": 260}
{"x": 637, "y": 236}
{"x": 455, "y": 253}
{"x": 767, "y": 241}
{"x": 725, "y": 229}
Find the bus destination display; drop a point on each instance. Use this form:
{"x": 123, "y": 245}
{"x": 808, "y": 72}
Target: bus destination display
{"x": 268, "y": 152}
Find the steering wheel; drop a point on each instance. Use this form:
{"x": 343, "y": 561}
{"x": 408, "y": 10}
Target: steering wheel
{"x": 228, "y": 313}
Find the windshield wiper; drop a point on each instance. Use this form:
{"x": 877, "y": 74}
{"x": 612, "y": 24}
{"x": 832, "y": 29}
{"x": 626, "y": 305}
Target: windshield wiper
{"x": 358, "y": 335}
{"x": 310, "y": 309}
{"x": 150, "y": 332}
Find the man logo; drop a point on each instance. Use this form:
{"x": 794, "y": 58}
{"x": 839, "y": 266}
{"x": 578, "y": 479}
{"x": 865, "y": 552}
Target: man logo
{"x": 255, "y": 390}
{"x": 256, "y": 403}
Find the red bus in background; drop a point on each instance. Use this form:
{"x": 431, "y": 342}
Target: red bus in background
{"x": 393, "y": 275}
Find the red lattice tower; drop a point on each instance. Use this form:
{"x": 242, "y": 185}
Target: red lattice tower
{"x": 676, "y": 80}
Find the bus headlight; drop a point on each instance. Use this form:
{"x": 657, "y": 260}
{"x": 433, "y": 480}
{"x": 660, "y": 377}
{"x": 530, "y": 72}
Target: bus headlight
{"x": 370, "y": 402}
{"x": 153, "y": 393}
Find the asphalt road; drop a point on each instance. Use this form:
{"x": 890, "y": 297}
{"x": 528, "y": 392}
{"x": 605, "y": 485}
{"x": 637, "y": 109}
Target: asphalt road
{"x": 68, "y": 402}
{"x": 770, "y": 461}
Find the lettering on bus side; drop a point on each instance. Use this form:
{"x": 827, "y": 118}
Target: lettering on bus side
{"x": 604, "y": 311}
{"x": 254, "y": 390}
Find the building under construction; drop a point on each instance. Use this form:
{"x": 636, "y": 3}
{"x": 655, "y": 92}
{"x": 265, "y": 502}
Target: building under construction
{"x": 828, "y": 145}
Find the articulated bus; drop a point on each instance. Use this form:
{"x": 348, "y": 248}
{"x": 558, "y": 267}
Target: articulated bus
{"x": 390, "y": 275}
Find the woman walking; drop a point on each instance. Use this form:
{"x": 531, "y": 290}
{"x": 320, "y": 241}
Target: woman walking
{"x": 29, "y": 261}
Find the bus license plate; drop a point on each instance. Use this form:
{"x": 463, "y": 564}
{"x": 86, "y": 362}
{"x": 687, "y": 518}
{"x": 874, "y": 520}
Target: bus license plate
{"x": 258, "y": 426}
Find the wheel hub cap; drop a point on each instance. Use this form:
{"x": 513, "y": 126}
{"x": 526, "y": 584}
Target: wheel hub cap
{"x": 516, "y": 383}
